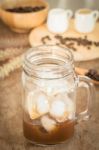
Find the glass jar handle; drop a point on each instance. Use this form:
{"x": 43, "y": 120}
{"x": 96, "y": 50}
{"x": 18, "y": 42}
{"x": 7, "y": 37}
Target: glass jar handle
{"x": 86, "y": 83}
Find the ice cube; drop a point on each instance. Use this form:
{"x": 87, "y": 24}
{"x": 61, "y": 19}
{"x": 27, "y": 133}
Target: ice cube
{"x": 31, "y": 105}
{"x": 37, "y": 104}
{"x": 62, "y": 107}
{"x": 70, "y": 105}
{"x": 48, "y": 123}
{"x": 58, "y": 110}
{"x": 42, "y": 104}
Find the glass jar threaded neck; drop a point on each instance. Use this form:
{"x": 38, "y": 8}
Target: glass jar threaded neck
{"x": 48, "y": 62}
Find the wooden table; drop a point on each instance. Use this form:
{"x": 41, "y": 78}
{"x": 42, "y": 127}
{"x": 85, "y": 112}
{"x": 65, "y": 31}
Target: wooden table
{"x": 11, "y": 135}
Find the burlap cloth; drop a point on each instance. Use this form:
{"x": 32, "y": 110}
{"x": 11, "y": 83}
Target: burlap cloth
{"x": 12, "y": 47}
{"x": 9, "y": 38}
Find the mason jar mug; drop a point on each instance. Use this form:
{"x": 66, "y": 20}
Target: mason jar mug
{"x": 49, "y": 95}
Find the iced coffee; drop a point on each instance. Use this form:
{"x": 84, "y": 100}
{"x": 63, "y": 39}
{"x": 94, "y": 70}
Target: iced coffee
{"x": 49, "y": 113}
{"x": 49, "y": 99}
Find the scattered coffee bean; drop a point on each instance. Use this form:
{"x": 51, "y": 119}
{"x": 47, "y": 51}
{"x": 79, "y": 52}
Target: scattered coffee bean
{"x": 70, "y": 44}
{"x": 85, "y": 37}
{"x": 70, "y": 41}
{"x": 79, "y": 40}
{"x": 26, "y": 9}
{"x": 58, "y": 44}
{"x": 45, "y": 38}
{"x": 93, "y": 74}
{"x": 92, "y": 71}
{"x": 72, "y": 48}
{"x": 96, "y": 44}
{"x": 60, "y": 38}
{"x": 96, "y": 77}
{"x": 88, "y": 48}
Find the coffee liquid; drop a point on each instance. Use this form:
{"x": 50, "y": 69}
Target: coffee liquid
{"x": 37, "y": 134}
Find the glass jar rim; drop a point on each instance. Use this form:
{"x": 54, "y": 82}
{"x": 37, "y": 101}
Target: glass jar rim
{"x": 29, "y": 65}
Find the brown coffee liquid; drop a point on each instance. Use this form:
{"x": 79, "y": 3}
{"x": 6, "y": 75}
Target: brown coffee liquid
{"x": 37, "y": 134}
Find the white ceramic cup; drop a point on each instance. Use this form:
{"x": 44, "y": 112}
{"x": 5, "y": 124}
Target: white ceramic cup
{"x": 85, "y": 20}
{"x": 58, "y": 20}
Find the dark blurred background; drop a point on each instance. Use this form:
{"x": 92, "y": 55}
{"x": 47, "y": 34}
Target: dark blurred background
{"x": 74, "y": 4}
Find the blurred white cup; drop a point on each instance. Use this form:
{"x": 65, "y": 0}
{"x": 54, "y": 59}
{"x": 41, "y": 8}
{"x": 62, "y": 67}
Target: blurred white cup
{"x": 58, "y": 20}
{"x": 85, "y": 20}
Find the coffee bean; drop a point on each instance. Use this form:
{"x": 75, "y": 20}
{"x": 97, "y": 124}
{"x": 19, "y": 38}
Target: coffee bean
{"x": 88, "y": 48}
{"x": 85, "y": 37}
{"x": 60, "y": 38}
{"x": 96, "y": 77}
{"x": 44, "y": 39}
{"x": 70, "y": 44}
{"x": 58, "y": 44}
{"x": 93, "y": 74}
{"x": 96, "y": 44}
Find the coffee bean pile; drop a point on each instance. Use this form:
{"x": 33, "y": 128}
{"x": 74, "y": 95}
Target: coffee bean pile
{"x": 93, "y": 74}
{"x": 71, "y": 41}
{"x": 26, "y": 9}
